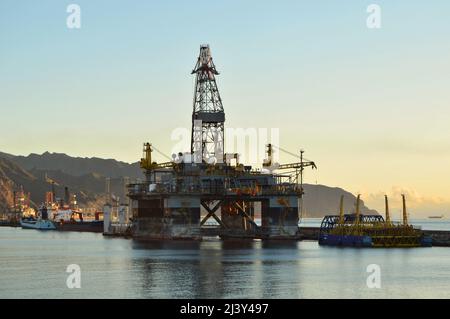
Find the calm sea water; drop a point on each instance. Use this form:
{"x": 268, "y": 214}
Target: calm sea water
{"x": 33, "y": 265}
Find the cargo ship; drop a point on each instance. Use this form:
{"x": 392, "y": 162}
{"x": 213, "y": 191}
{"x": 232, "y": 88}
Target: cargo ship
{"x": 358, "y": 230}
{"x": 65, "y": 214}
{"x": 68, "y": 220}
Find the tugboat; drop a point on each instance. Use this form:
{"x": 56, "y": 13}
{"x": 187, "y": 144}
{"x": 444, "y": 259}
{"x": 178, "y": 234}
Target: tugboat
{"x": 41, "y": 223}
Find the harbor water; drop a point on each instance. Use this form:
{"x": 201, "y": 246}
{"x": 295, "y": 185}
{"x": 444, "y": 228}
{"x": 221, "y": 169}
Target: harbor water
{"x": 34, "y": 265}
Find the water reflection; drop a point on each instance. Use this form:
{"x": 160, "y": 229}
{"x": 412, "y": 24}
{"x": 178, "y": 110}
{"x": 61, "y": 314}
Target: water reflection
{"x": 34, "y": 264}
{"x": 235, "y": 244}
{"x": 279, "y": 244}
{"x": 160, "y": 244}
{"x": 218, "y": 269}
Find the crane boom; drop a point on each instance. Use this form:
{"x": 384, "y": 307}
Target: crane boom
{"x": 298, "y": 165}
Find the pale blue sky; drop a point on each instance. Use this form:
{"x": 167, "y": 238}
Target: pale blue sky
{"x": 370, "y": 106}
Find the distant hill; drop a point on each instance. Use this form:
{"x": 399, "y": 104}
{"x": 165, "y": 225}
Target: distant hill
{"x": 320, "y": 200}
{"x": 86, "y": 177}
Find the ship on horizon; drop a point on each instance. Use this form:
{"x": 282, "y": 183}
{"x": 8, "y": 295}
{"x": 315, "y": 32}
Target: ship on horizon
{"x": 436, "y": 217}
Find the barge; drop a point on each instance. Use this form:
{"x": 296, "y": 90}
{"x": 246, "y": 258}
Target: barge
{"x": 358, "y": 230}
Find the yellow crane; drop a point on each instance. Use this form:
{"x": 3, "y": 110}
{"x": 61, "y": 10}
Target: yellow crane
{"x": 388, "y": 216}
{"x": 341, "y": 211}
{"x": 146, "y": 161}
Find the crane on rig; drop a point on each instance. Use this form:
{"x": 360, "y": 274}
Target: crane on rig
{"x": 268, "y": 163}
{"x": 147, "y": 163}
{"x": 298, "y": 166}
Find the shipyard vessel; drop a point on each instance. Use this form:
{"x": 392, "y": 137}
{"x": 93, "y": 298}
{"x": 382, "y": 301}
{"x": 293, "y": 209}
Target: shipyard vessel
{"x": 65, "y": 214}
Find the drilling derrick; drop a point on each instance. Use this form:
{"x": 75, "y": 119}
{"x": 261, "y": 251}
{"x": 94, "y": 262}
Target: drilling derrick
{"x": 208, "y": 117}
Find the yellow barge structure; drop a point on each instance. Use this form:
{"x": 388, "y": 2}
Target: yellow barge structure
{"x": 358, "y": 230}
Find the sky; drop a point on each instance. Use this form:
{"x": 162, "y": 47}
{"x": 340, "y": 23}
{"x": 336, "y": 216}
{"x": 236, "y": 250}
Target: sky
{"x": 370, "y": 106}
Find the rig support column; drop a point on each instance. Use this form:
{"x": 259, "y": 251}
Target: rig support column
{"x": 280, "y": 217}
{"x": 168, "y": 217}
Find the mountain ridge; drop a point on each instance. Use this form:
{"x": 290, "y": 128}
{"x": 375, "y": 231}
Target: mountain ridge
{"x": 76, "y": 166}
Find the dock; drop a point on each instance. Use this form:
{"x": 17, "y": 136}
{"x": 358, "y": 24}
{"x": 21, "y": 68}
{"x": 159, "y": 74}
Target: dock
{"x": 441, "y": 238}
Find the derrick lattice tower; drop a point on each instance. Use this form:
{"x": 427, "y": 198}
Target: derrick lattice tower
{"x": 208, "y": 116}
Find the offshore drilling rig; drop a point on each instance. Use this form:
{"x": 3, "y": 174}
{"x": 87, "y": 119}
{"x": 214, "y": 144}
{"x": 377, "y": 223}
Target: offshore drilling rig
{"x": 167, "y": 205}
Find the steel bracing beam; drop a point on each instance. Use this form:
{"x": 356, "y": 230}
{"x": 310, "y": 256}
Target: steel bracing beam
{"x": 244, "y": 214}
{"x": 212, "y": 213}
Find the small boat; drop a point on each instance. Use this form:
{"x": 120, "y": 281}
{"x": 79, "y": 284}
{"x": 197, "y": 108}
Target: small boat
{"x": 436, "y": 217}
{"x": 41, "y": 223}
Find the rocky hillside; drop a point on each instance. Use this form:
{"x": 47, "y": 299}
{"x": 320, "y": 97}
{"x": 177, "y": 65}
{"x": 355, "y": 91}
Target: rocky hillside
{"x": 320, "y": 200}
{"x": 6, "y": 184}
